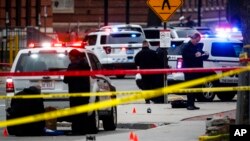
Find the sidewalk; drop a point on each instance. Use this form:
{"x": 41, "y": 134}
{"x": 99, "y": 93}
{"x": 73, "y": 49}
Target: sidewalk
{"x": 170, "y": 124}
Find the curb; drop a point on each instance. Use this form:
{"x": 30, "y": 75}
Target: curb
{"x": 140, "y": 125}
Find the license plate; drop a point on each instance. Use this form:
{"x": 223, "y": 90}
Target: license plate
{"x": 47, "y": 85}
{"x": 130, "y": 51}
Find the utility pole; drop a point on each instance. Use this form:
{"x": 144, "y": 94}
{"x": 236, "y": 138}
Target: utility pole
{"x": 243, "y": 105}
{"x": 106, "y": 18}
{"x": 127, "y": 11}
{"x": 199, "y": 12}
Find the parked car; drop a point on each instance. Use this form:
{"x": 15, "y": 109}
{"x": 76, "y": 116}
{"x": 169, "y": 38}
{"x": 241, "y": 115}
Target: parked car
{"x": 40, "y": 59}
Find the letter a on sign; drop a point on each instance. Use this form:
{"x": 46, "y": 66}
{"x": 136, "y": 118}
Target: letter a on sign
{"x": 164, "y": 8}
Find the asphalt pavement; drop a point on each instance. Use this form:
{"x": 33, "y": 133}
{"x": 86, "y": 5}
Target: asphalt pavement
{"x": 152, "y": 122}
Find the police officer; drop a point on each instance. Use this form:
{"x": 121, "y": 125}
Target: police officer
{"x": 146, "y": 59}
{"x": 193, "y": 57}
{"x": 76, "y": 85}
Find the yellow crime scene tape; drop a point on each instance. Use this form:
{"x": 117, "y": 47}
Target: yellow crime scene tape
{"x": 66, "y": 95}
{"x": 117, "y": 101}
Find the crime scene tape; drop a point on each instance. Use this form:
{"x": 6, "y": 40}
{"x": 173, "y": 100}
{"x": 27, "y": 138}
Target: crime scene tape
{"x": 116, "y": 72}
{"x": 117, "y": 101}
{"x": 66, "y": 95}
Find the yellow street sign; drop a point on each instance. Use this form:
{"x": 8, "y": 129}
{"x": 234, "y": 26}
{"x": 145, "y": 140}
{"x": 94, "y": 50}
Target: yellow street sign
{"x": 164, "y": 8}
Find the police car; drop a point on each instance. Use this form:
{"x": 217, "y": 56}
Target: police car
{"x": 223, "y": 52}
{"x": 47, "y": 59}
{"x": 115, "y": 49}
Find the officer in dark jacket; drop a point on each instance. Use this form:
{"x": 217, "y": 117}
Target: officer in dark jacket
{"x": 193, "y": 57}
{"x": 146, "y": 59}
{"x": 78, "y": 84}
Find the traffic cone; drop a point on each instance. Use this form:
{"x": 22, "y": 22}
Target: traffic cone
{"x": 5, "y": 132}
{"x": 131, "y": 136}
{"x": 136, "y": 138}
{"x": 134, "y": 111}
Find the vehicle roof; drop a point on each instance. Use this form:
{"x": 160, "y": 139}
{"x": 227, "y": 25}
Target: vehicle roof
{"x": 169, "y": 28}
{"x": 58, "y": 49}
{"x": 121, "y": 25}
{"x": 110, "y": 32}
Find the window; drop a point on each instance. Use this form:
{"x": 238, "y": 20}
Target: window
{"x": 177, "y": 46}
{"x": 91, "y": 39}
{"x": 42, "y": 62}
{"x": 125, "y": 38}
{"x": 226, "y": 49}
{"x": 185, "y": 33}
{"x": 95, "y": 63}
{"x": 103, "y": 40}
{"x": 63, "y": 6}
{"x": 152, "y": 34}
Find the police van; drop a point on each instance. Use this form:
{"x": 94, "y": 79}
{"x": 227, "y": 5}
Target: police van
{"x": 223, "y": 52}
{"x": 115, "y": 49}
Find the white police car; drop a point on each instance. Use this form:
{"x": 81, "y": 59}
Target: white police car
{"x": 47, "y": 59}
{"x": 115, "y": 50}
{"x": 223, "y": 52}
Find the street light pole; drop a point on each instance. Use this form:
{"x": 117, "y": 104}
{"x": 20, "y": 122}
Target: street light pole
{"x": 199, "y": 12}
{"x": 45, "y": 18}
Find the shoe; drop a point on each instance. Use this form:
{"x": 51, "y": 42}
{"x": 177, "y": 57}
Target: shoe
{"x": 147, "y": 101}
{"x": 192, "y": 108}
{"x": 196, "y": 108}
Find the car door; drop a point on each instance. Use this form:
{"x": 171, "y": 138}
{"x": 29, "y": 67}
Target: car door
{"x": 102, "y": 81}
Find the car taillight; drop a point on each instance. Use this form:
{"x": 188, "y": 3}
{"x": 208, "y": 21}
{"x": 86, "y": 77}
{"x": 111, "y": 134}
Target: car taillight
{"x": 9, "y": 85}
{"x": 107, "y": 49}
{"x": 179, "y": 63}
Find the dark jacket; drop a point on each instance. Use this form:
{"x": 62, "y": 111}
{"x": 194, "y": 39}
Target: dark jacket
{"x": 77, "y": 84}
{"x": 147, "y": 59}
{"x": 26, "y": 107}
{"x": 190, "y": 61}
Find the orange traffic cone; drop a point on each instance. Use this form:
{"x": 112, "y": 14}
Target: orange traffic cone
{"x": 134, "y": 111}
{"x": 136, "y": 138}
{"x": 131, "y": 136}
{"x": 5, "y": 132}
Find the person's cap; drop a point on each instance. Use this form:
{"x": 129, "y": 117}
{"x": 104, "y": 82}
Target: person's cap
{"x": 195, "y": 35}
{"x": 74, "y": 52}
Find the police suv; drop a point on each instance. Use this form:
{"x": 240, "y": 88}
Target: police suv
{"x": 115, "y": 49}
{"x": 223, "y": 52}
{"x": 47, "y": 59}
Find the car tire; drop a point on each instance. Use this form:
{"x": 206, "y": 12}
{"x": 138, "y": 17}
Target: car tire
{"x": 110, "y": 121}
{"x": 11, "y": 129}
{"x": 206, "y": 96}
{"x": 226, "y": 96}
{"x": 93, "y": 123}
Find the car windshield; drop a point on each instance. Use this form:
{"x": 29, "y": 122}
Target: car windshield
{"x": 184, "y": 33}
{"x": 124, "y": 38}
{"x": 226, "y": 49}
{"x": 42, "y": 62}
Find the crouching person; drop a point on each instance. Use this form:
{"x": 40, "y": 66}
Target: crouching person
{"x": 25, "y": 107}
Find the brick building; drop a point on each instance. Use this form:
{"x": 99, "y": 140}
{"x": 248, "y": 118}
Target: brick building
{"x": 69, "y": 14}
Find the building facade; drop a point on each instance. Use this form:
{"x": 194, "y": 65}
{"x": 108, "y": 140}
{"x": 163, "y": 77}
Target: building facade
{"x": 69, "y": 14}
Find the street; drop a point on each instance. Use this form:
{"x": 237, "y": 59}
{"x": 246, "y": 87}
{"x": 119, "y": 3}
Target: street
{"x": 161, "y": 121}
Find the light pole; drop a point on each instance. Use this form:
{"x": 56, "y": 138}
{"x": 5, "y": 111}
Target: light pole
{"x": 45, "y": 18}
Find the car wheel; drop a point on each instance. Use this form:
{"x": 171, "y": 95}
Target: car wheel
{"x": 206, "y": 96}
{"x": 93, "y": 123}
{"x": 226, "y": 96}
{"x": 11, "y": 129}
{"x": 110, "y": 121}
